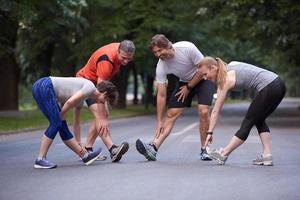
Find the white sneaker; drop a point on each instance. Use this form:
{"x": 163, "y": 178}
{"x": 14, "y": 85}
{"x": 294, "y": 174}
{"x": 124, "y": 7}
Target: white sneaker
{"x": 217, "y": 154}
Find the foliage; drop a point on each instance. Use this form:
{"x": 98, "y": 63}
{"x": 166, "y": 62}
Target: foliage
{"x": 57, "y": 37}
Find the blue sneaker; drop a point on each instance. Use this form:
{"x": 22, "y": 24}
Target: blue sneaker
{"x": 43, "y": 164}
{"x": 91, "y": 156}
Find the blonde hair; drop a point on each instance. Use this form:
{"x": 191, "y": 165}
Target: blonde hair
{"x": 221, "y": 65}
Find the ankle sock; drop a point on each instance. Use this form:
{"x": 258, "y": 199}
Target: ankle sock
{"x": 154, "y": 147}
{"x": 112, "y": 147}
{"x": 89, "y": 148}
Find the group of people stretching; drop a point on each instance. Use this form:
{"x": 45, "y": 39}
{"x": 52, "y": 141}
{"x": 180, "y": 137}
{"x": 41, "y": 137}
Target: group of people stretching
{"x": 198, "y": 75}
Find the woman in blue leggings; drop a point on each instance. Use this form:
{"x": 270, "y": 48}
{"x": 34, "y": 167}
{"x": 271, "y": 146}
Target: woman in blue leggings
{"x": 51, "y": 92}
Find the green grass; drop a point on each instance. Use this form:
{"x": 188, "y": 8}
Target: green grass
{"x": 27, "y": 120}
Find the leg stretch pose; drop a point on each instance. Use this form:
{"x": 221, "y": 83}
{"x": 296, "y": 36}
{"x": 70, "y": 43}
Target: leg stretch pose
{"x": 50, "y": 91}
{"x": 103, "y": 65}
{"x": 270, "y": 91}
{"x": 182, "y": 60}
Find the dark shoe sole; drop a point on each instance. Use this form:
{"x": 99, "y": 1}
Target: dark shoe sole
{"x": 124, "y": 148}
{"x": 142, "y": 150}
{"x": 205, "y": 159}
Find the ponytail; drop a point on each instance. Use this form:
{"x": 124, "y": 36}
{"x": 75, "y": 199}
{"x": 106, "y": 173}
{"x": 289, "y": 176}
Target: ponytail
{"x": 222, "y": 73}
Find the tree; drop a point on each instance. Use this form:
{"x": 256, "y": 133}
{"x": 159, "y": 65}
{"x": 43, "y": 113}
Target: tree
{"x": 9, "y": 71}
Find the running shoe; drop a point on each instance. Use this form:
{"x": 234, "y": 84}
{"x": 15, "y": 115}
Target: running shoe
{"x": 100, "y": 158}
{"x": 146, "y": 150}
{"x": 44, "y": 164}
{"x": 217, "y": 154}
{"x": 118, "y": 151}
{"x": 204, "y": 155}
{"x": 91, "y": 156}
{"x": 264, "y": 160}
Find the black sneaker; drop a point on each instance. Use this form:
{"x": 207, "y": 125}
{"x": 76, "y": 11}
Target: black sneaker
{"x": 204, "y": 155}
{"x": 146, "y": 150}
{"x": 91, "y": 156}
{"x": 118, "y": 151}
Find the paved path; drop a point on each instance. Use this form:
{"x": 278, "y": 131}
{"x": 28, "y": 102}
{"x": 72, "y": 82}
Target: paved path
{"x": 178, "y": 173}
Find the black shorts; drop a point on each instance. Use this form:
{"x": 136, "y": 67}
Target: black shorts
{"x": 205, "y": 90}
{"x": 90, "y": 101}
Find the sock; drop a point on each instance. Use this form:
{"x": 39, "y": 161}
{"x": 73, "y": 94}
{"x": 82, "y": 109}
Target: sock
{"x": 154, "y": 147}
{"x": 89, "y": 148}
{"x": 112, "y": 147}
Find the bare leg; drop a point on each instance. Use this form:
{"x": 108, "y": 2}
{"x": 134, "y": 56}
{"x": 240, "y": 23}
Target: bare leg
{"x": 265, "y": 140}
{"x": 234, "y": 143}
{"x": 92, "y": 133}
{"x": 203, "y": 112}
{"x": 172, "y": 115}
{"x": 74, "y": 146}
{"x": 45, "y": 145}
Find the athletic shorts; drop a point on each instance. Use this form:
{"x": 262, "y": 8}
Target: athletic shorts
{"x": 90, "y": 101}
{"x": 204, "y": 90}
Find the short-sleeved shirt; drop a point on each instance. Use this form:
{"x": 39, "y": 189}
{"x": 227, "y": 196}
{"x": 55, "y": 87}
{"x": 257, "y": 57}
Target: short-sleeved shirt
{"x": 250, "y": 76}
{"x": 66, "y": 87}
{"x": 104, "y": 69}
{"x": 183, "y": 64}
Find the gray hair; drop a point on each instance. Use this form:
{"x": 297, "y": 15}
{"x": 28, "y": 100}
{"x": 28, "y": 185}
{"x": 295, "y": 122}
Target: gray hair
{"x": 127, "y": 46}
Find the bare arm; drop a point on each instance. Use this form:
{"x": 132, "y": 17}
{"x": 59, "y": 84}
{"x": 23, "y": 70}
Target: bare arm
{"x": 76, "y": 124}
{"x": 161, "y": 101}
{"x": 184, "y": 90}
{"x": 71, "y": 103}
{"x": 221, "y": 97}
{"x": 100, "y": 114}
{"x": 160, "y": 107}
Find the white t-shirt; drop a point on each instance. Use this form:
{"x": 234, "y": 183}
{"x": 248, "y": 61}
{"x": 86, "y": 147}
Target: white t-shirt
{"x": 183, "y": 64}
{"x": 66, "y": 87}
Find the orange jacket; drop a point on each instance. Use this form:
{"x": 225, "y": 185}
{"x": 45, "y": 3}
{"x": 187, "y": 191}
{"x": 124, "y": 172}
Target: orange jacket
{"x": 103, "y": 64}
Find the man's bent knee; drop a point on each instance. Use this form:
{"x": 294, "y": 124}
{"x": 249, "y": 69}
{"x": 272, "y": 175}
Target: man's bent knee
{"x": 173, "y": 113}
{"x": 203, "y": 112}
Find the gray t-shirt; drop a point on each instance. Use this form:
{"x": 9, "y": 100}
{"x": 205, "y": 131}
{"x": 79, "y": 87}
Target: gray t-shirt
{"x": 66, "y": 87}
{"x": 183, "y": 64}
{"x": 249, "y": 76}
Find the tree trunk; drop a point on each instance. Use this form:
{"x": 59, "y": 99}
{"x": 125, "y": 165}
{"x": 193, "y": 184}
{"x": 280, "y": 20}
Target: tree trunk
{"x": 9, "y": 69}
{"x": 9, "y": 79}
{"x": 121, "y": 82}
{"x": 148, "y": 97}
{"x": 135, "y": 85}
{"x": 45, "y": 59}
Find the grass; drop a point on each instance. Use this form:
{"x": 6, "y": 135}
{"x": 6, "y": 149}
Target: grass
{"x": 28, "y": 120}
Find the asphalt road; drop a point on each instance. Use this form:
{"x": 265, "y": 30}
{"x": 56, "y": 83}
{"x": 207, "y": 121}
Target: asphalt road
{"x": 178, "y": 173}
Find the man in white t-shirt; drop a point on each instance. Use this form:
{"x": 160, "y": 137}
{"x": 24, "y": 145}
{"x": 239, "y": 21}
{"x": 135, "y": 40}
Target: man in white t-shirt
{"x": 180, "y": 59}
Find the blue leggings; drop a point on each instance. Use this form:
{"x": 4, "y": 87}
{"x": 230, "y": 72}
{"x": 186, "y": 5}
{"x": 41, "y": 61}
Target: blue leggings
{"x": 44, "y": 95}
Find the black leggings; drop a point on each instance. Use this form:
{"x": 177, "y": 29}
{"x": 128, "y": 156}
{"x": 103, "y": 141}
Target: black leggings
{"x": 264, "y": 103}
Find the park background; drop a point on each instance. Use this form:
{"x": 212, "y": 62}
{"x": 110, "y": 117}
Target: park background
{"x": 56, "y": 37}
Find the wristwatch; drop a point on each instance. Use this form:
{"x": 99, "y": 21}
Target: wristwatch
{"x": 188, "y": 87}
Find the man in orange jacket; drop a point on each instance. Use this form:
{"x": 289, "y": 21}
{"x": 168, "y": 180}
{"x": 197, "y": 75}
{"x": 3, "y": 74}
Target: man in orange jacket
{"x": 103, "y": 65}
